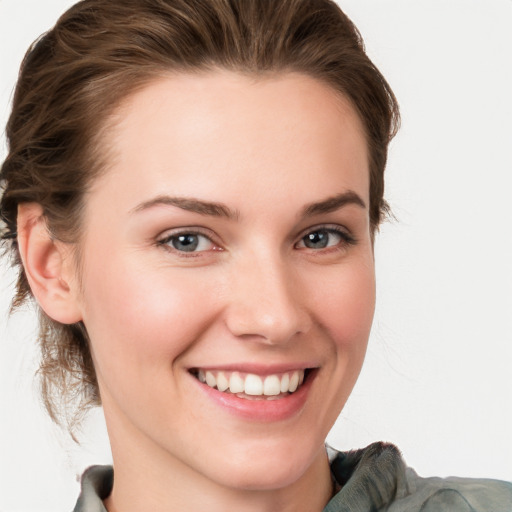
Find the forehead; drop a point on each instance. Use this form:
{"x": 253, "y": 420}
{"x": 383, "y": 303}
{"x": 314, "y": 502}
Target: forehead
{"x": 211, "y": 128}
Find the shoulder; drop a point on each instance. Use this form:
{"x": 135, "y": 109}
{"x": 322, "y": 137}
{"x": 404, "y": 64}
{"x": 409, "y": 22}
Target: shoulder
{"x": 456, "y": 494}
{"x": 376, "y": 478}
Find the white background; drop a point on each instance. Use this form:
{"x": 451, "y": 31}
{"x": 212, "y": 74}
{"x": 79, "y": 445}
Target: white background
{"x": 438, "y": 379}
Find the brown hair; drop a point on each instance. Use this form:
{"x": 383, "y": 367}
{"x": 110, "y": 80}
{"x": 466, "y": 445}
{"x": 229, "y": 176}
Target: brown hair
{"x": 98, "y": 53}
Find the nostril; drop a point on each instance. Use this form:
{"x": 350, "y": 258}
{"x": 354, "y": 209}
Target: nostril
{"x": 274, "y": 329}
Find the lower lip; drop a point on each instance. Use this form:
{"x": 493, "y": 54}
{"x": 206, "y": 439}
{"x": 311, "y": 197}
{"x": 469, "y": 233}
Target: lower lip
{"x": 262, "y": 410}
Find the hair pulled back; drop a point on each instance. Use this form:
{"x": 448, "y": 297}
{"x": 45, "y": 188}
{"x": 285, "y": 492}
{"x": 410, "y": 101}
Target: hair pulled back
{"x": 99, "y": 52}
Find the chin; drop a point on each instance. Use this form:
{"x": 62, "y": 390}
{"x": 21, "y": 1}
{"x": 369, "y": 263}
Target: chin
{"x": 268, "y": 466}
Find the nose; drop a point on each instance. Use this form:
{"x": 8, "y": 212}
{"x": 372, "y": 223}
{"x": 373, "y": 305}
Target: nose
{"x": 267, "y": 303}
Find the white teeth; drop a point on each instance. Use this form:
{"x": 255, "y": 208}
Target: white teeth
{"x": 210, "y": 379}
{"x": 252, "y": 385}
{"x": 222, "y": 382}
{"x": 294, "y": 381}
{"x": 285, "y": 383}
{"x": 236, "y": 383}
{"x": 271, "y": 385}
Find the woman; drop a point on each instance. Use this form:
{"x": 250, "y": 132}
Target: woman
{"x": 193, "y": 191}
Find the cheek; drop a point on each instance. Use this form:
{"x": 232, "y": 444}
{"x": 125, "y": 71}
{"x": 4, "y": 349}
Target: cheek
{"x": 346, "y": 307}
{"x": 141, "y": 318}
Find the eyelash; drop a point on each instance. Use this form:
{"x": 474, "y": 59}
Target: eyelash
{"x": 346, "y": 240}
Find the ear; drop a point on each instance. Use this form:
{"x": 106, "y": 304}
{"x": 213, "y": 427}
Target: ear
{"x": 48, "y": 266}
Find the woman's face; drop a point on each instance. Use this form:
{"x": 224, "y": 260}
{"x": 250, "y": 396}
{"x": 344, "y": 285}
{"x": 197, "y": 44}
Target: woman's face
{"x": 229, "y": 240}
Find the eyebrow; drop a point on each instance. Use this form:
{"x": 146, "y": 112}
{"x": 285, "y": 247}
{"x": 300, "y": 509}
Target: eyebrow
{"x": 213, "y": 209}
{"x": 333, "y": 203}
{"x": 192, "y": 205}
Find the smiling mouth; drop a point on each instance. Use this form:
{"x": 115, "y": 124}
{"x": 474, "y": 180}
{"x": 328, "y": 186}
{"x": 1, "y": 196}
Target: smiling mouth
{"x": 251, "y": 386}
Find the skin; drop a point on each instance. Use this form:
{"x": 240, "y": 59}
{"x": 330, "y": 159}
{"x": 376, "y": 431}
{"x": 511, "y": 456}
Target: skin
{"x": 253, "y": 293}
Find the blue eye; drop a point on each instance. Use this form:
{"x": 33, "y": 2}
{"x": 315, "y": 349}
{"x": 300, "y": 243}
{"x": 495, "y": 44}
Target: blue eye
{"x": 324, "y": 238}
{"x": 188, "y": 242}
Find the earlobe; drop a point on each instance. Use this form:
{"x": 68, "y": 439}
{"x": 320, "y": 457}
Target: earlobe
{"x": 47, "y": 266}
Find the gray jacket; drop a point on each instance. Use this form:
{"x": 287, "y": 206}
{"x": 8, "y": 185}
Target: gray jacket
{"x": 374, "y": 479}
